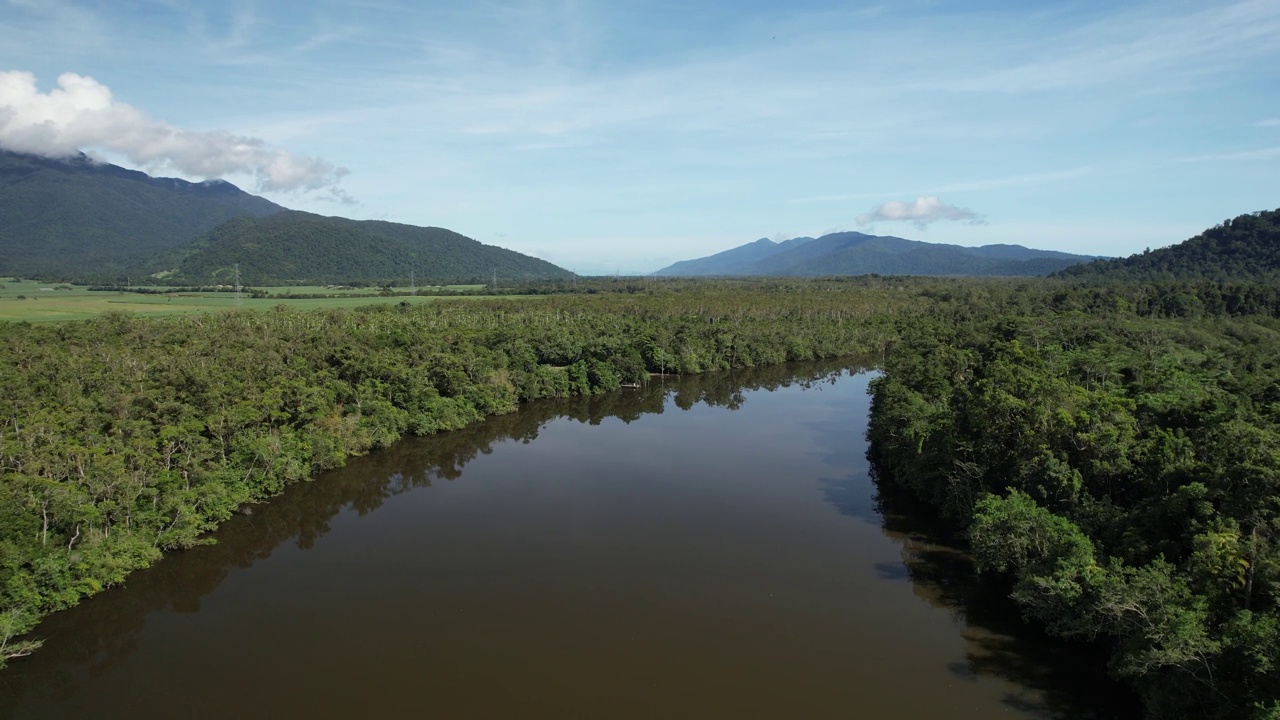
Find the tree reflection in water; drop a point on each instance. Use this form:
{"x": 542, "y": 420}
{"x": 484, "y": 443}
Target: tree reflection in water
{"x": 1054, "y": 676}
{"x": 91, "y": 638}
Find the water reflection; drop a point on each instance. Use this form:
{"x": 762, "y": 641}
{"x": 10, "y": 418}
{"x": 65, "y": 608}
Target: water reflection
{"x": 563, "y": 576}
{"x": 1052, "y": 678}
{"x": 89, "y": 640}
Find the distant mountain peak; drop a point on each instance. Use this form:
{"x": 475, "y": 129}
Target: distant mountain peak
{"x": 857, "y": 253}
{"x": 77, "y": 217}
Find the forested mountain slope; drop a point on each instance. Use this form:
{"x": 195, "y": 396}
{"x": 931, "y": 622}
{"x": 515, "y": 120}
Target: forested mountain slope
{"x": 855, "y": 253}
{"x": 1245, "y": 247}
{"x": 75, "y": 218}
{"x": 734, "y": 261}
{"x": 298, "y": 247}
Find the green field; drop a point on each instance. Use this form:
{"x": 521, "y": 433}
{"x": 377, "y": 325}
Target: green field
{"x": 33, "y": 301}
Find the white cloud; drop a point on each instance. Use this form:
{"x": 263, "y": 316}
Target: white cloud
{"x": 80, "y": 113}
{"x": 921, "y": 212}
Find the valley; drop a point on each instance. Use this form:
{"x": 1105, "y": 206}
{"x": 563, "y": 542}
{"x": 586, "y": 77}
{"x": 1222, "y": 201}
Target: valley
{"x": 263, "y": 460}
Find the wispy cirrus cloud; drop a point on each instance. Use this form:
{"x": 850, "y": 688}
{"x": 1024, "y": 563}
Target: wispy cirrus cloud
{"x": 1140, "y": 43}
{"x": 920, "y": 212}
{"x": 1007, "y": 181}
{"x": 1267, "y": 153}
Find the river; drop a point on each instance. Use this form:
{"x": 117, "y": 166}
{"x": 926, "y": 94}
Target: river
{"x": 701, "y": 548}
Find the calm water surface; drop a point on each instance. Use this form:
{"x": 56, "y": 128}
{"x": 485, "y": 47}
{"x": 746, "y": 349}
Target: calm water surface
{"x": 708, "y": 547}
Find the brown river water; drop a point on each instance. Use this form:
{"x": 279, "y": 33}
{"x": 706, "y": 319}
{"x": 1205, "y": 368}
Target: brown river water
{"x": 707, "y": 547}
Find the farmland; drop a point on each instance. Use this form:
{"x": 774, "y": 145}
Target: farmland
{"x": 34, "y": 301}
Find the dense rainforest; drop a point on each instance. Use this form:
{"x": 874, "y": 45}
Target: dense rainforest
{"x": 1112, "y": 451}
{"x": 1120, "y": 469}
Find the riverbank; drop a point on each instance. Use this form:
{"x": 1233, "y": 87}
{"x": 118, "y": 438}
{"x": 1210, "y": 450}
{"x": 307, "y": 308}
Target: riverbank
{"x": 125, "y": 437}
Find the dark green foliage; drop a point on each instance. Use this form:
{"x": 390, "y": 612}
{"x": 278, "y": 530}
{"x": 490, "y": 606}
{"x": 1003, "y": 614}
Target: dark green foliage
{"x": 1245, "y": 247}
{"x": 300, "y": 248}
{"x": 1121, "y": 467}
{"x": 854, "y": 253}
{"x": 78, "y": 219}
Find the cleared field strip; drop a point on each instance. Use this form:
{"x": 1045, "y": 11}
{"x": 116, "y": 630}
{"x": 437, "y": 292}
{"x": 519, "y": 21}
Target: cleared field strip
{"x": 32, "y": 301}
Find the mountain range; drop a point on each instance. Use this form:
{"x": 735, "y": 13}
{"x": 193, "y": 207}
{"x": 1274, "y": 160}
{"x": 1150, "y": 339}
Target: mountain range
{"x": 855, "y": 253}
{"x": 78, "y": 219}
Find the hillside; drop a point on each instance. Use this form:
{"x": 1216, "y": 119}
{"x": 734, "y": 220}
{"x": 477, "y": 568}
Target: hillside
{"x": 299, "y": 247}
{"x": 734, "y": 261}
{"x": 1245, "y": 247}
{"x": 854, "y": 253}
{"x": 65, "y": 219}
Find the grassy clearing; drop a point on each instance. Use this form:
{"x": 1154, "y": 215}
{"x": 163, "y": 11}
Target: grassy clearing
{"x": 33, "y": 301}
{"x": 344, "y": 290}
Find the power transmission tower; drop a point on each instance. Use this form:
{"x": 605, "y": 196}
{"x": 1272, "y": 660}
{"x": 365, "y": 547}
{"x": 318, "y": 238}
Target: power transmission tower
{"x": 413, "y": 284}
{"x": 237, "y": 284}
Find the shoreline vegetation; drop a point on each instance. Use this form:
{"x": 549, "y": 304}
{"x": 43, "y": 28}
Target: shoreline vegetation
{"x": 1121, "y": 472}
{"x": 123, "y": 437}
{"x": 1111, "y": 450}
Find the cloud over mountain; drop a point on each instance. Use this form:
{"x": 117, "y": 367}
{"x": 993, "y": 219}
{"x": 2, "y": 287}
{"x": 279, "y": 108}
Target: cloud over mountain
{"x": 81, "y": 113}
{"x": 921, "y": 212}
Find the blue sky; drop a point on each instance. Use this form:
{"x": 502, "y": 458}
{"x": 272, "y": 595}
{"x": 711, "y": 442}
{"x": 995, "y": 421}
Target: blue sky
{"x": 623, "y": 136}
